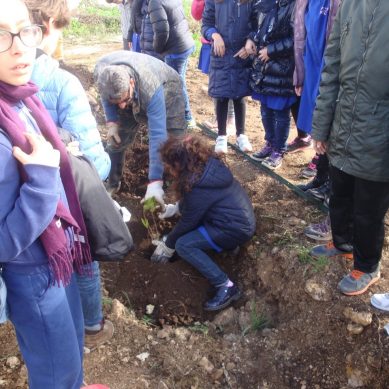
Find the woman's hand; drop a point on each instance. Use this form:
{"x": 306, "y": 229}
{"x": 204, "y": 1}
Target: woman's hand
{"x": 242, "y": 53}
{"x": 250, "y": 47}
{"x": 42, "y": 152}
{"x": 262, "y": 55}
{"x": 298, "y": 90}
{"x": 320, "y": 147}
{"x": 218, "y": 45}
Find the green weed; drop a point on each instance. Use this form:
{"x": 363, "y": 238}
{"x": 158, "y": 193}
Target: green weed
{"x": 199, "y": 328}
{"x": 259, "y": 321}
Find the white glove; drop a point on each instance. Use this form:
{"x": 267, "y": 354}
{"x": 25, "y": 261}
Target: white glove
{"x": 162, "y": 253}
{"x": 113, "y": 132}
{"x": 154, "y": 189}
{"x": 170, "y": 211}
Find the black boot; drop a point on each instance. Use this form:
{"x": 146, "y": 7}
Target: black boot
{"x": 115, "y": 175}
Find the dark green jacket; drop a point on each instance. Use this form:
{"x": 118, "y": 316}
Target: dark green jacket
{"x": 352, "y": 110}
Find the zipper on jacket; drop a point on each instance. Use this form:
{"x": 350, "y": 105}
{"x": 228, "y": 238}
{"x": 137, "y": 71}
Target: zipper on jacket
{"x": 359, "y": 75}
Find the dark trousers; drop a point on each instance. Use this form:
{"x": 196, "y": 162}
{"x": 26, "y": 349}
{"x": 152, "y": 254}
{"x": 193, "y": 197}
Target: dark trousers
{"x": 357, "y": 212}
{"x": 294, "y": 109}
{"x": 222, "y": 111}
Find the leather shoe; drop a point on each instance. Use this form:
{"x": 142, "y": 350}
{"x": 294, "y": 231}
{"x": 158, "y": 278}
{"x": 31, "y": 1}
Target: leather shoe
{"x": 224, "y": 296}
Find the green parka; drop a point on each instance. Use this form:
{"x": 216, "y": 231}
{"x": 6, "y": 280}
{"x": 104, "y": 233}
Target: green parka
{"x": 352, "y": 110}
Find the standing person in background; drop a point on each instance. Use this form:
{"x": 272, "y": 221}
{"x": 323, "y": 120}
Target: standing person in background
{"x": 42, "y": 230}
{"x": 272, "y": 75}
{"x": 64, "y": 97}
{"x": 350, "y": 124}
{"x": 197, "y": 9}
{"x": 227, "y": 23}
{"x": 173, "y": 40}
{"x": 141, "y": 25}
{"x": 129, "y": 38}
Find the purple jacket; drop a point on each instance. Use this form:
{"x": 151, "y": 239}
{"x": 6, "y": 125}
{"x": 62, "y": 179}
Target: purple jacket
{"x": 300, "y": 33}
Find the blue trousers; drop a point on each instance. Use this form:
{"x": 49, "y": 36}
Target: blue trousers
{"x": 90, "y": 293}
{"x": 49, "y": 327}
{"x": 276, "y": 124}
{"x": 191, "y": 247}
{"x": 180, "y": 64}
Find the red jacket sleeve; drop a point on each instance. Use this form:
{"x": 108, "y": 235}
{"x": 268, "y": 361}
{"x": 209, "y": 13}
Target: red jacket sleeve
{"x": 197, "y": 9}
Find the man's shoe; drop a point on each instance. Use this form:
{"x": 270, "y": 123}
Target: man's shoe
{"x": 221, "y": 146}
{"x": 321, "y": 192}
{"x": 243, "y": 143}
{"x": 223, "y": 298}
{"x": 358, "y": 282}
{"x": 380, "y": 301}
{"x": 330, "y": 251}
{"x": 310, "y": 170}
{"x": 95, "y": 339}
{"x": 313, "y": 184}
{"x": 274, "y": 161}
{"x": 320, "y": 231}
{"x": 191, "y": 124}
{"x": 263, "y": 153}
{"x": 299, "y": 144}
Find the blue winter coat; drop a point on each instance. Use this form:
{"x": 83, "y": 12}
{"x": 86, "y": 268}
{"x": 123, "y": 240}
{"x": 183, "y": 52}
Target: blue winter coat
{"x": 219, "y": 203}
{"x": 64, "y": 97}
{"x": 233, "y": 20}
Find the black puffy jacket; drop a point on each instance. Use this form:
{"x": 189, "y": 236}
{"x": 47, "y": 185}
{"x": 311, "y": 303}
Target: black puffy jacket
{"x": 170, "y": 27}
{"x": 275, "y": 31}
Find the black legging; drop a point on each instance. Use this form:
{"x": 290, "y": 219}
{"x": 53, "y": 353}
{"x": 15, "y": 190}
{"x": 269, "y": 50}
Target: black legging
{"x": 295, "y": 112}
{"x": 240, "y": 115}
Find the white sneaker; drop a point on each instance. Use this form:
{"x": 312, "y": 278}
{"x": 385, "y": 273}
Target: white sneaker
{"x": 243, "y": 143}
{"x": 380, "y": 301}
{"x": 221, "y": 145}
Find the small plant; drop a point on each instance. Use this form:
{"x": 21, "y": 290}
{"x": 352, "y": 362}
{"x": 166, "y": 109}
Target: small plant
{"x": 106, "y": 301}
{"x": 303, "y": 255}
{"x": 286, "y": 239}
{"x": 148, "y": 220}
{"x": 147, "y": 320}
{"x": 259, "y": 321}
{"x": 305, "y": 258}
{"x": 320, "y": 264}
{"x": 199, "y": 328}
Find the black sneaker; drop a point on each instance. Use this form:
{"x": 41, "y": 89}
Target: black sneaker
{"x": 315, "y": 183}
{"x": 299, "y": 144}
{"x": 321, "y": 192}
{"x": 223, "y": 298}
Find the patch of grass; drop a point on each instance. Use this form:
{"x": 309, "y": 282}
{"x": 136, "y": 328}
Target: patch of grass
{"x": 259, "y": 321}
{"x": 199, "y": 328}
{"x": 147, "y": 320}
{"x": 128, "y": 301}
{"x": 106, "y": 301}
{"x": 286, "y": 239}
{"x": 317, "y": 264}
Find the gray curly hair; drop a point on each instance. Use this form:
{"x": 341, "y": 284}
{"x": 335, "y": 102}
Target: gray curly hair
{"x": 113, "y": 81}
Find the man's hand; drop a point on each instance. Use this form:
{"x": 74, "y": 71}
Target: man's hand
{"x": 170, "y": 211}
{"x": 320, "y": 147}
{"x": 262, "y": 55}
{"x": 113, "y": 132}
{"x": 154, "y": 189}
{"x": 162, "y": 253}
{"x": 219, "y": 48}
{"x": 242, "y": 53}
{"x": 42, "y": 152}
{"x": 298, "y": 90}
{"x": 250, "y": 47}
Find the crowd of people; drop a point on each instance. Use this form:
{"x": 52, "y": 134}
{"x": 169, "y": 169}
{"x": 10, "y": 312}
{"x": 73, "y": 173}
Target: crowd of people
{"x": 320, "y": 61}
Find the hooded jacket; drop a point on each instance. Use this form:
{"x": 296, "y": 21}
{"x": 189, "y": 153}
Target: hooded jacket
{"x": 219, "y": 203}
{"x": 65, "y": 99}
{"x": 352, "y": 110}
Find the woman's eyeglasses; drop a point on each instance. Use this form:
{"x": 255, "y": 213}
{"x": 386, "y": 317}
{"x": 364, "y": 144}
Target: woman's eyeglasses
{"x": 31, "y": 36}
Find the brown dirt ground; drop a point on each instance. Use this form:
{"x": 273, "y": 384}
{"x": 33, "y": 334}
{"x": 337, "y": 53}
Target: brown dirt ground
{"x": 305, "y": 344}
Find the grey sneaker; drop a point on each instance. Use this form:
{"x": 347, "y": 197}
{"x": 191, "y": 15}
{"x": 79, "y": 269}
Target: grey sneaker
{"x": 358, "y": 282}
{"x": 274, "y": 161}
{"x": 263, "y": 153}
{"x": 329, "y": 251}
{"x": 320, "y": 231}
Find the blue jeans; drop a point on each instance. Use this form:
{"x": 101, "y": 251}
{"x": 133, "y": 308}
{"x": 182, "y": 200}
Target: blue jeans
{"x": 49, "y": 327}
{"x": 191, "y": 247}
{"x": 276, "y": 124}
{"x": 180, "y": 64}
{"x": 90, "y": 293}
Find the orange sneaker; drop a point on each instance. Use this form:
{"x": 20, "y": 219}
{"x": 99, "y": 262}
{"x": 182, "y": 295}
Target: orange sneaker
{"x": 358, "y": 282}
{"x": 330, "y": 251}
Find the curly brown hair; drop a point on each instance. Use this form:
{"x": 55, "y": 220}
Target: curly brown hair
{"x": 184, "y": 159}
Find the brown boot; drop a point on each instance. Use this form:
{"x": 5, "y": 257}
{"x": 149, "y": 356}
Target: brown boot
{"x": 95, "y": 339}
